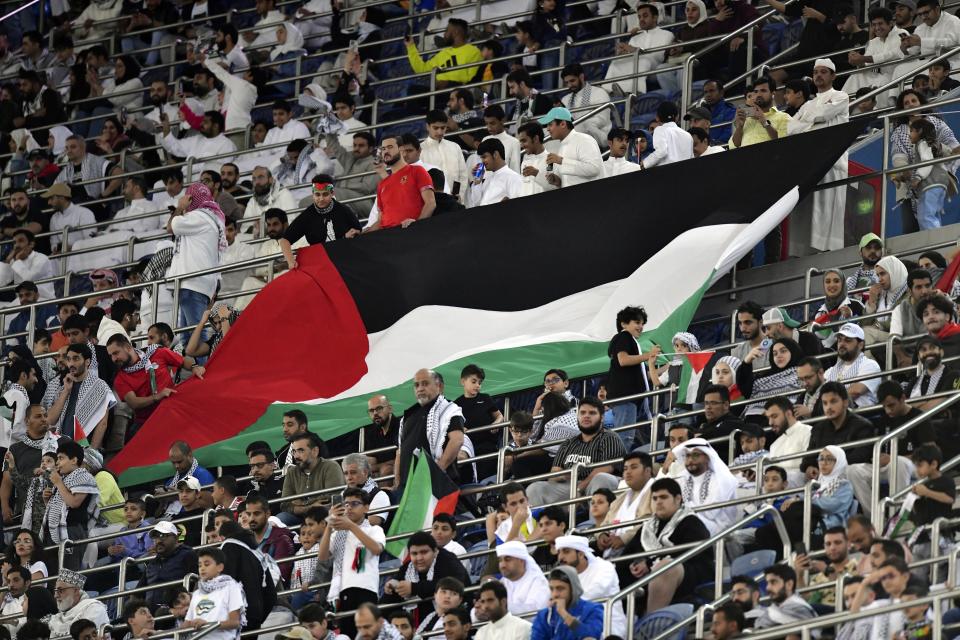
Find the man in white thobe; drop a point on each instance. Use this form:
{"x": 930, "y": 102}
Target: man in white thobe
{"x": 598, "y": 576}
{"x": 700, "y": 488}
{"x": 285, "y": 129}
{"x": 445, "y": 154}
{"x": 134, "y": 195}
{"x": 499, "y": 181}
{"x": 827, "y": 108}
{"x": 211, "y": 143}
{"x": 647, "y": 36}
{"x": 527, "y": 587}
{"x": 616, "y": 163}
{"x": 670, "y": 142}
{"x": 533, "y": 163}
{"x": 884, "y": 47}
{"x": 237, "y": 251}
{"x": 264, "y": 32}
{"x": 582, "y": 98}
{"x": 73, "y": 605}
{"x": 938, "y": 32}
{"x": 578, "y": 160}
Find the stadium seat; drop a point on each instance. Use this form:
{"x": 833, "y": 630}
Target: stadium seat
{"x": 653, "y": 624}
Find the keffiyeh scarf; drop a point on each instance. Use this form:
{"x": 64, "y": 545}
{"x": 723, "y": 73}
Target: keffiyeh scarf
{"x": 78, "y": 481}
{"x": 156, "y": 269}
{"x": 653, "y": 540}
{"x": 297, "y": 173}
{"x": 177, "y": 477}
{"x": 144, "y": 361}
{"x": 389, "y": 632}
{"x": 91, "y": 168}
{"x": 218, "y": 334}
{"x": 90, "y": 399}
{"x": 704, "y": 488}
{"x": 852, "y": 370}
{"x": 220, "y": 582}
{"x": 413, "y": 576}
{"x": 783, "y": 382}
{"x": 581, "y": 98}
{"x": 338, "y": 547}
{"x": 438, "y": 421}
{"x": 917, "y": 390}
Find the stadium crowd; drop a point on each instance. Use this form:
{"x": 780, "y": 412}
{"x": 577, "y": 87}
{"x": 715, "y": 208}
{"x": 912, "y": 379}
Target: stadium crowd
{"x": 271, "y": 141}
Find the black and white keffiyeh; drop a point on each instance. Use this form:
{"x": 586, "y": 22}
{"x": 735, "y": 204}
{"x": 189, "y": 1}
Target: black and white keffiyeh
{"x": 704, "y": 488}
{"x": 438, "y": 422}
{"x": 93, "y": 393}
{"x": 158, "y": 265}
{"x": 412, "y": 575}
{"x": 78, "y": 481}
{"x": 652, "y": 540}
{"x": 92, "y": 168}
{"x": 840, "y": 371}
{"x": 144, "y": 360}
{"x": 177, "y": 477}
{"x": 338, "y": 547}
{"x": 934, "y": 381}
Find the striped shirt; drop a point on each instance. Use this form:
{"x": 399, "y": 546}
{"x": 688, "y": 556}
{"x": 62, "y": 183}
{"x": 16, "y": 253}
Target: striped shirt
{"x": 605, "y": 446}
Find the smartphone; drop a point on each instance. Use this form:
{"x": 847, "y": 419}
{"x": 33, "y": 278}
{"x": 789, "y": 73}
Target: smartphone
{"x": 800, "y": 549}
{"x": 766, "y": 343}
{"x": 456, "y": 188}
{"x": 336, "y": 500}
{"x": 378, "y": 156}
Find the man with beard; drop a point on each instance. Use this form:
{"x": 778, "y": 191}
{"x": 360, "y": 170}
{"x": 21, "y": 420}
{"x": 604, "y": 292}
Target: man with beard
{"x": 323, "y": 221}
{"x": 228, "y": 42}
{"x": 309, "y": 473}
{"x": 762, "y": 121}
{"x": 418, "y": 576}
{"x": 160, "y": 99}
{"x": 792, "y": 436}
{"x": 434, "y": 425}
{"x": 493, "y": 606}
{"x": 405, "y": 193}
{"x": 851, "y": 363}
{"x": 172, "y": 561}
{"x": 29, "y": 265}
{"x": 837, "y": 563}
{"x": 285, "y": 128}
{"x": 673, "y": 523}
{"x": 811, "y": 374}
{"x": 598, "y": 576}
{"x": 904, "y": 320}
{"x": 228, "y": 204}
{"x": 293, "y": 425}
{"x": 381, "y": 433}
{"x": 135, "y": 199}
{"x": 358, "y": 160}
{"x": 745, "y": 592}
{"x": 593, "y": 444}
{"x": 268, "y": 194}
{"x": 230, "y": 180}
{"x": 15, "y": 602}
{"x": 749, "y": 316}
{"x": 456, "y": 51}
{"x": 41, "y": 106}
{"x": 26, "y": 458}
{"x": 144, "y": 378}
{"x": 896, "y": 413}
{"x": 73, "y": 604}
{"x": 210, "y": 142}
{"x": 205, "y": 90}
{"x": 263, "y": 473}
{"x": 883, "y": 47}
{"x": 786, "y": 607}
{"x": 829, "y": 107}
{"x": 76, "y": 329}
{"x": 584, "y": 96}
{"x": 80, "y": 397}
{"x": 939, "y": 316}
{"x": 706, "y": 480}
{"x": 841, "y": 425}
{"x": 276, "y": 220}
{"x": 526, "y": 588}
{"x": 871, "y": 250}
{"x": 935, "y": 377}
{"x": 22, "y": 216}
{"x": 272, "y": 540}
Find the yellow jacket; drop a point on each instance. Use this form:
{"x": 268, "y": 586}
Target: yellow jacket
{"x": 448, "y": 57}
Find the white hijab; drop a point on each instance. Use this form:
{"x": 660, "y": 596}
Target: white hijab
{"x": 703, "y": 12}
{"x": 830, "y": 482}
{"x": 294, "y": 41}
{"x": 24, "y": 138}
{"x": 60, "y": 135}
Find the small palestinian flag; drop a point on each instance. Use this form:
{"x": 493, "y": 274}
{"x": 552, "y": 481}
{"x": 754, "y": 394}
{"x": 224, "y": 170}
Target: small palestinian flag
{"x": 516, "y": 288}
{"x": 698, "y": 359}
{"x": 428, "y": 492}
{"x": 79, "y": 435}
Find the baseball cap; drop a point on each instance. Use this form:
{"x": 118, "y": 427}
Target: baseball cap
{"x": 57, "y": 189}
{"x": 557, "y": 113}
{"x": 164, "y": 528}
{"x": 910, "y": 4}
{"x": 750, "y": 429}
{"x": 296, "y": 633}
{"x": 778, "y": 314}
{"x": 698, "y": 113}
{"x": 190, "y": 483}
{"x": 619, "y": 132}
{"x": 852, "y": 331}
{"x": 868, "y": 238}
{"x": 38, "y": 153}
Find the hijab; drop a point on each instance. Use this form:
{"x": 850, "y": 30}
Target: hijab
{"x": 830, "y": 482}
{"x": 796, "y": 354}
{"x": 832, "y": 303}
{"x": 898, "y": 280}
{"x": 59, "y": 134}
{"x": 294, "y": 42}
{"x": 703, "y": 12}
{"x": 24, "y": 138}
{"x": 731, "y": 361}
{"x": 131, "y": 68}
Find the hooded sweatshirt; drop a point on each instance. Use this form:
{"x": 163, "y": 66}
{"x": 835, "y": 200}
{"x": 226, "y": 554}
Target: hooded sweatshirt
{"x": 549, "y": 625}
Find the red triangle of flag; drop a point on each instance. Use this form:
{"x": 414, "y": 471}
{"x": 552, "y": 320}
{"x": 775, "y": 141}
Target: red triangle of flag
{"x": 946, "y": 281}
{"x": 699, "y": 359}
{"x": 79, "y": 435}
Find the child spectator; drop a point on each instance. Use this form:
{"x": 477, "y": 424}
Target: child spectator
{"x": 523, "y": 464}
{"x": 753, "y": 444}
{"x": 304, "y": 570}
{"x": 916, "y": 622}
{"x": 774, "y": 480}
{"x": 934, "y": 497}
{"x": 34, "y": 507}
{"x": 131, "y": 545}
{"x": 447, "y": 596}
{"x": 479, "y": 410}
{"x": 930, "y": 183}
{"x": 218, "y": 598}
{"x": 628, "y": 372}
{"x": 600, "y": 503}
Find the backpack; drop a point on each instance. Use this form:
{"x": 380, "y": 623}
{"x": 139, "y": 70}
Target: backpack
{"x": 267, "y": 563}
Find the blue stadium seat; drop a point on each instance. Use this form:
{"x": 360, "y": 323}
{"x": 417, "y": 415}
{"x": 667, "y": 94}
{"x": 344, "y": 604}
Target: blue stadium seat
{"x": 653, "y": 624}
{"x": 648, "y": 102}
{"x": 753, "y": 563}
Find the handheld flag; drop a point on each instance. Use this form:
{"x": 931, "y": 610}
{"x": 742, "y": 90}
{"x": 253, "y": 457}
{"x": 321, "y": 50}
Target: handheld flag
{"x": 428, "y": 491}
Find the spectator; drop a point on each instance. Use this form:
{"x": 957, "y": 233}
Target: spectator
{"x": 719, "y": 422}
{"x": 631, "y": 505}
{"x": 937, "y": 29}
{"x": 745, "y": 593}
{"x": 267, "y": 194}
{"x": 228, "y": 204}
{"x": 494, "y": 117}
{"x": 533, "y": 164}
{"x": 777, "y": 323}
{"x": 371, "y": 625}
{"x": 670, "y": 142}
{"x": 456, "y": 53}
{"x": 526, "y": 587}
{"x": 34, "y": 56}
{"x": 237, "y": 251}
{"x": 30, "y": 265}
{"x": 628, "y": 369}
{"x": 933, "y": 376}
{"x": 172, "y": 561}
{"x": 852, "y": 363}
{"x": 645, "y": 37}
{"x": 28, "y": 293}
{"x": 218, "y": 598}
{"x": 701, "y": 143}
{"x": 264, "y": 32}
{"x": 135, "y": 199}
{"x": 248, "y": 568}
{"x": 837, "y": 306}
{"x": 786, "y": 606}
{"x": 41, "y": 105}
{"x": 493, "y": 605}
{"x": 582, "y": 98}
{"x": 184, "y": 464}
{"x": 935, "y": 496}
{"x": 210, "y": 142}
{"x": 293, "y": 424}
{"x": 838, "y": 563}
{"x": 479, "y": 410}
{"x": 749, "y": 316}
{"x": 447, "y": 598}
{"x": 189, "y": 495}
{"x": 76, "y": 328}
{"x": 144, "y": 378}
{"x": 444, "y": 154}
{"x": 134, "y": 544}
{"x": 785, "y": 354}
{"x": 272, "y": 540}
{"x": 444, "y": 531}
{"x": 434, "y": 420}
{"x": 721, "y": 111}
{"x": 904, "y": 321}
{"x": 463, "y": 115}
{"x": 598, "y": 576}
{"x": 616, "y": 163}
{"x": 841, "y": 426}
{"x": 885, "y": 295}
{"x": 893, "y": 576}
{"x": 499, "y": 182}
{"x": 406, "y": 194}
{"x": 519, "y": 523}
{"x": 18, "y": 581}
{"x": 568, "y": 616}
{"x": 940, "y": 80}
{"x": 319, "y": 622}
{"x": 356, "y": 472}
{"x": 381, "y": 433}
{"x": 578, "y": 160}
{"x": 706, "y": 480}
{"x": 21, "y": 215}
{"x": 883, "y": 47}
{"x": 73, "y": 605}
{"x": 419, "y": 574}
{"x": 136, "y": 614}
{"x": 728, "y": 622}
{"x": 761, "y": 121}
{"x": 310, "y": 473}
{"x": 26, "y": 454}
{"x": 530, "y": 103}
{"x": 66, "y": 214}
{"x": 535, "y": 461}
{"x": 811, "y": 375}
{"x": 791, "y": 435}
{"x": 939, "y": 316}
{"x": 263, "y": 468}
{"x": 359, "y": 160}
{"x": 551, "y": 523}
{"x": 594, "y": 444}
{"x": 87, "y": 407}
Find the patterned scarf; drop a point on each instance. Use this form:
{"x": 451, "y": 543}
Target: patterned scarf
{"x": 94, "y": 364}
{"x": 304, "y": 570}
{"x": 653, "y": 540}
{"x": 93, "y": 393}
{"x": 78, "y": 481}
{"x": 438, "y": 421}
{"x": 177, "y": 477}
{"x": 47, "y": 443}
{"x": 704, "y": 488}
{"x": 220, "y": 582}
{"x": 783, "y": 382}
{"x": 297, "y": 172}
{"x": 369, "y": 487}
{"x": 581, "y": 98}
{"x": 91, "y": 168}
{"x": 156, "y": 269}
{"x": 202, "y": 200}
{"x": 144, "y": 361}
{"x": 389, "y": 632}
{"x": 849, "y": 371}
{"x": 218, "y": 334}
{"x": 934, "y": 377}
{"x": 412, "y": 575}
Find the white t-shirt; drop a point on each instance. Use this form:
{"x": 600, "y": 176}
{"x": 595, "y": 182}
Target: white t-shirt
{"x": 39, "y": 567}
{"x": 380, "y": 501}
{"x": 216, "y": 607}
{"x": 369, "y": 578}
{"x": 503, "y": 529}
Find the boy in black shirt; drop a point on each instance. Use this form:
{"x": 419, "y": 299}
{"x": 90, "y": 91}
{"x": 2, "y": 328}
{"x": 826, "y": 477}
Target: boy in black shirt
{"x": 628, "y": 371}
{"x": 479, "y": 410}
{"x": 935, "y": 495}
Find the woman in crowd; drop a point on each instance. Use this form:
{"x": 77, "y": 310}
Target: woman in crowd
{"x": 837, "y": 306}
{"x": 283, "y": 57}
{"x": 696, "y": 27}
{"x": 729, "y": 372}
{"x": 558, "y": 423}
{"x": 27, "y": 551}
{"x": 885, "y": 296}
{"x": 785, "y": 354}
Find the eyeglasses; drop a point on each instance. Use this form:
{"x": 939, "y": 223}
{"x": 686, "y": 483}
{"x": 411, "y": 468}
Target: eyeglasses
{"x": 353, "y": 504}
{"x": 826, "y": 459}
{"x": 553, "y": 380}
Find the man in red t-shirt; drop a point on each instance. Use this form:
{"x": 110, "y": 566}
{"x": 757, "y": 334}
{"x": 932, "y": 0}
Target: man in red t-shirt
{"x": 406, "y": 194}
{"x": 144, "y": 378}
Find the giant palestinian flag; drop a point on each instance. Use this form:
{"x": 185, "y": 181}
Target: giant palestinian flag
{"x": 516, "y": 288}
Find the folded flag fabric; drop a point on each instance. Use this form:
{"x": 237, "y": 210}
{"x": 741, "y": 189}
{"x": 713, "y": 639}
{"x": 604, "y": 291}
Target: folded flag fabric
{"x": 428, "y": 492}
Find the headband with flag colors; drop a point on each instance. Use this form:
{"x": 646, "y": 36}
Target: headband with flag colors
{"x": 319, "y": 187}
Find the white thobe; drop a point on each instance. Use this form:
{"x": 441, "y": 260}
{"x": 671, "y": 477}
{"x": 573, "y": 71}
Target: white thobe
{"x": 448, "y": 157}
{"x": 73, "y": 216}
{"x": 88, "y": 609}
{"x": 715, "y": 520}
{"x": 796, "y": 439}
{"x": 826, "y": 109}
{"x": 645, "y": 40}
{"x": 292, "y": 130}
{"x": 143, "y": 226}
{"x": 598, "y": 125}
{"x": 236, "y": 252}
{"x": 496, "y": 186}
{"x": 511, "y": 148}
{"x": 14, "y": 606}
{"x": 880, "y": 51}
{"x": 618, "y": 166}
{"x": 530, "y": 593}
{"x": 670, "y": 144}
{"x": 509, "y": 627}
{"x": 266, "y": 29}
{"x": 280, "y": 198}
{"x": 200, "y": 148}
{"x": 582, "y": 161}
{"x": 537, "y": 183}
{"x": 35, "y": 266}
{"x": 316, "y": 30}
{"x": 600, "y": 581}
{"x": 239, "y": 96}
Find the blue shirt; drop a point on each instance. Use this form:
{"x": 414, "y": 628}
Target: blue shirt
{"x": 722, "y": 111}
{"x": 548, "y": 625}
{"x": 134, "y": 544}
{"x": 201, "y": 474}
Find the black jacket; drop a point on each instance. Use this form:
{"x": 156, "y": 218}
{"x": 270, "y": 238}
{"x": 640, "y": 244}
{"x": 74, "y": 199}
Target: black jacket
{"x": 243, "y": 566}
{"x": 174, "y": 567}
{"x": 447, "y": 565}
{"x": 853, "y": 428}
